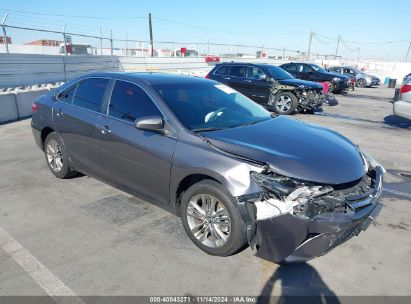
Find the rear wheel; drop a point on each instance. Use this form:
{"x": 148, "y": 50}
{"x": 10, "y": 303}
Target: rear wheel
{"x": 284, "y": 103}
{"x": 211, "y": 219}
{"x": 56, "y": 157}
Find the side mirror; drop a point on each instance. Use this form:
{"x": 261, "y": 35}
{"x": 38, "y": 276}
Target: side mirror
{"x": 150, "y": 123}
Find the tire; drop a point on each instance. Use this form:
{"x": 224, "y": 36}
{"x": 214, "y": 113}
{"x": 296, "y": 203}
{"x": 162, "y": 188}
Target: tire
{"x": 225, "y": 211}
{"x": 361, "y": 83}
{"x": 331, "y": 86}
{"x": 56, "y": 157}
{"x": 284, "y": 103}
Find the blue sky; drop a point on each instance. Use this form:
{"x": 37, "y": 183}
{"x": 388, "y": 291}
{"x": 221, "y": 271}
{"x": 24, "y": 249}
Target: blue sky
{"x": 270, "y": 23}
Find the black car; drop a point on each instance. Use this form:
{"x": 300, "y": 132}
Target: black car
{"x": 270, "y": 86}
{"x": 235, "y": 173}
{"x": 313, "y": 72}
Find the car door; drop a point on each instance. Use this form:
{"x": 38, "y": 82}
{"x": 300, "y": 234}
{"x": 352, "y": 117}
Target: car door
{"x": 258, "y": 86}
{"x": 237, "y": 79}
{"x": 135, "y": 159}
{"x": 75, "y": 119}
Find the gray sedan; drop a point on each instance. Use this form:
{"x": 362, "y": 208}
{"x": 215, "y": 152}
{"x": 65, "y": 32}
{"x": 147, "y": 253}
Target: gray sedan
{"x": 362, "y": 79}
{"x": 234, "y": 172}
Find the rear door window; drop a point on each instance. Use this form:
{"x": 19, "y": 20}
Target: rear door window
{"x": 222, "y": 70}
{"x": 128, "y": 102}
{"x": 238, "y": 71}
{"x": 67, "y": 95}
{"x": 90, "y": 92}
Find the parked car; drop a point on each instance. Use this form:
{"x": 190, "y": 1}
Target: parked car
{"x": 406, "y": 77}
{"x": 346, "y": 72}
{"x": 402, "y": 106}
{"x": 233, "y": 171}
{"x": 363, "y": 79}
{"x": 270, "y": 86}
{"x": 313, "y": 72}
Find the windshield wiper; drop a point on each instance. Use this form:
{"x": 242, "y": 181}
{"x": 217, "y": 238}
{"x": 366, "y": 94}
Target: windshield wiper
{"x": 206, "y": 129}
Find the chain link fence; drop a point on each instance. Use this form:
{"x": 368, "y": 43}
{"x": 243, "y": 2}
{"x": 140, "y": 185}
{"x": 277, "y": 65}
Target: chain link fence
{"x": 30, "y": 40}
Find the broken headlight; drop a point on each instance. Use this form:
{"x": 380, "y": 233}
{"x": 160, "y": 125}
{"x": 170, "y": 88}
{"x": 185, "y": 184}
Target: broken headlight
{"x": 273, "y": 183}
{"x": 288, "y": 195}
{"x": 369, "y": 161}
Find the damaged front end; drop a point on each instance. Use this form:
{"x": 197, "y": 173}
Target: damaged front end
{"x": 308, "y": 98}
{"x": 295, "y": 221}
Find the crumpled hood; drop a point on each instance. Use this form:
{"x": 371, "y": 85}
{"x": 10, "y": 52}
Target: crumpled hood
{"x": 298, "y": 82}
{"x": 295, "y": 149}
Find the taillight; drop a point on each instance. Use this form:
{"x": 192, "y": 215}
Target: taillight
{"x": 34, "y": 106}
{"x": 405, "y": 88}
{"x": 208, "y": 77}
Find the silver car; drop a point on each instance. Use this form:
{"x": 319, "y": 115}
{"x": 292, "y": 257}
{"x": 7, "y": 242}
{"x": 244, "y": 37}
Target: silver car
{"x": 362, "y": 79}
{"x": 402, "y": 107}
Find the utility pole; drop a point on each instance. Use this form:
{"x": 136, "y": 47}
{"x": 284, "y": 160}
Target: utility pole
{"x": 358, "y": 56}
{"x": 64, "y": 39}
{"x": 111, "y": 42}
{"x": 3, "y": 25}
{"x": 406, "y": 56}
{"x": 338, "y": 44}
{"x": 101, "y": 41}
{"x": 126, "y": 42}
{"x": 309, "y": 46}
{"x": 150, "y": 28}
{"x": 283, "y": 54}
{"x": 208, "y": 46}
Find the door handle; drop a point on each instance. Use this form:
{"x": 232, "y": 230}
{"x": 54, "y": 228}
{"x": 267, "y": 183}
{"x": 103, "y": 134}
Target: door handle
{"x": 248, "y": 80}
{"x": 228, "y": 78}
{"x": 59, "y": 112}
{"x": 105, "y": 130}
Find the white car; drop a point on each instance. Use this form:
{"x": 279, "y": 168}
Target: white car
{"x": 402, "y": 107}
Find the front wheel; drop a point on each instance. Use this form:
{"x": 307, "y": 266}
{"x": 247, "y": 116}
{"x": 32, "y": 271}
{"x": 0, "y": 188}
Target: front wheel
{"x": 284, "y": 103}
{"x": 211, "y": 219}
{"x": 331, "y": 87}
{"x": 361, "y": 83}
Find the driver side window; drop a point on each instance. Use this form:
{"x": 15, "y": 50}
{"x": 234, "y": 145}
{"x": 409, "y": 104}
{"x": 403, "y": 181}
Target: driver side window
{"x": 129, "y": 102}
{"x": 255, "y": 73}
{"x": 306, "y": 68}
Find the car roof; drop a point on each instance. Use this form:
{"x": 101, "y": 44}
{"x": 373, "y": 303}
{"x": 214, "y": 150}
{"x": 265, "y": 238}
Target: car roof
{"x": 150, "y": 78}
{"x": 245, "y": 63}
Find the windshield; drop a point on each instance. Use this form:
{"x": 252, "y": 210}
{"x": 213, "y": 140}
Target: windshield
{"x": 318, "y": 68}
{"x": 209, "y": 106}
{"x": 278, "y": 73}
{"x": 357, "y": 71}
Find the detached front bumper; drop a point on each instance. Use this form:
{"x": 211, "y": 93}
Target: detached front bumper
{"x": 289, "y": 238}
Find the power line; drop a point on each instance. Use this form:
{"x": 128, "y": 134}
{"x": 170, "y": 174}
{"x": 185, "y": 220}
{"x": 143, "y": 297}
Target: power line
{"x": 73, "y": 16}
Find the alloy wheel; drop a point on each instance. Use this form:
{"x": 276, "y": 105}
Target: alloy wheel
{"x": 208, "y": 220}
{"x": 54, "y": 155}
{"x": 283, "y": 103}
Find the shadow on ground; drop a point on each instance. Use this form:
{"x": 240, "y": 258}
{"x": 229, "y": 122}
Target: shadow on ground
{"x": 398, "y": 122}
{"x": 300, "y": 283}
